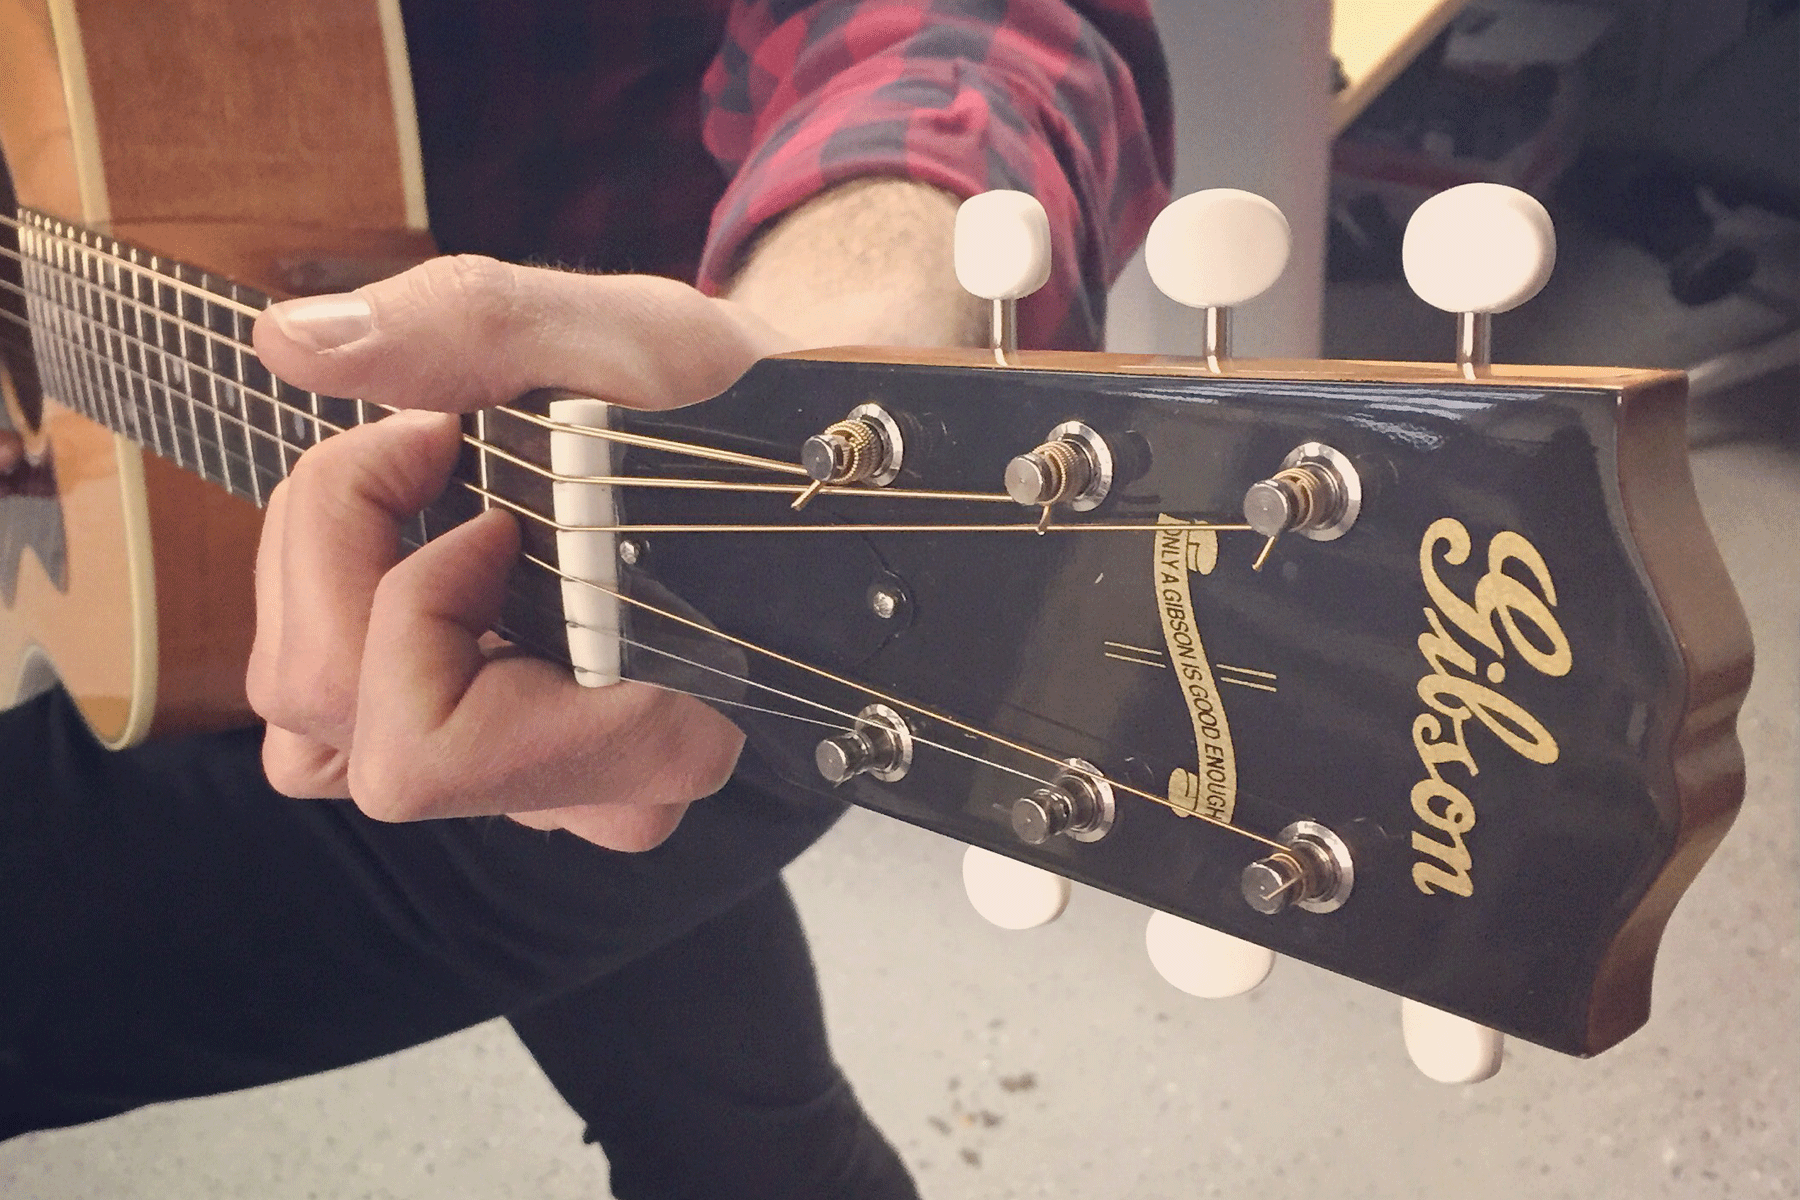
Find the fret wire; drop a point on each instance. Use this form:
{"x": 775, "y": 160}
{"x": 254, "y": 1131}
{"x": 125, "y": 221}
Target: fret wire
{"x": 56, "y": 234}
{"x": 481, "y": 458}
{"x": 130, "y": 342}
{"x": 243, "y": 401}
{"x": 95, "y": 336}
{"x": 62, "y": 316}
{"x": 155, "y": 351}
{"x": 119, "y": 343}
{"x": 96, "y": 400}
{"x": 153, "y": 384}
{"x": 190, "y": 328}
{"x": 222, "y": 444}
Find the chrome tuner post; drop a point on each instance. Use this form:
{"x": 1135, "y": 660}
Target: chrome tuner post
{"x": 1077, "y": 804}
{"x": 1317, "y": 493}
{"x": 1313, "y": 872}
{"x": 879, "y": 744}
{"x": 1002, "y": 255}
{"x": 1214, "y": 250}
{"x": 865, "y": 447}
{"x": 1073, "y": 466}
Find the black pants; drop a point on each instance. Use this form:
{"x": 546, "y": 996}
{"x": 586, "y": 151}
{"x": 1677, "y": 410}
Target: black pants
{"x": 171, "y": 927}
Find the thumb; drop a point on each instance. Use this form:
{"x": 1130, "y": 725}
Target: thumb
{"x": 467, "y": 332}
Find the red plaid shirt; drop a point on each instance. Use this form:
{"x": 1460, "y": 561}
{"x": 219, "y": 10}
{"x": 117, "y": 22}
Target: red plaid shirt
{"x": 661, "y": 135}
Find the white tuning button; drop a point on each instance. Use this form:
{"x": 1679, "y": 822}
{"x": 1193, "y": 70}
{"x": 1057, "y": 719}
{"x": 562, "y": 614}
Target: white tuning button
{"x": 1449, "y": 1048}
{"x": 1204, "y": 962}
{"x": 1012, "y": 894}
{"x": 1214, "y": 250}
{"x": 1002, "y": 254}
{"x": 1475, "y": 250}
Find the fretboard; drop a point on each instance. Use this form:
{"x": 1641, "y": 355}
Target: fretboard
{"x": 159, "y": 352}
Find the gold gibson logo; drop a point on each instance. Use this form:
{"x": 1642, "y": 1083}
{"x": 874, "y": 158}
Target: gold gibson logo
{"x": 1503, "y": 605}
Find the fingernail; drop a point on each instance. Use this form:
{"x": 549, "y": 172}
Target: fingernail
{"x": 418, "y": 416}
{"x": 324, "y": 322}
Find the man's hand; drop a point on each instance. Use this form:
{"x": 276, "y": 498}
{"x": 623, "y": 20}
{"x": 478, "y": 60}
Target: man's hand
{"x": 376, "y": 676}
{"x": 373, "y": 673}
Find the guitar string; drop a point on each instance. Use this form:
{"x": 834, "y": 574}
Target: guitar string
{"x": 140, "y": 273}
{"x": 549, "y": 522}
{"x": 544, "y": 565}
{"x": 876, "y": 694}
{"x": 707, "y": 452}
{"x": 214, "y": 338}
{"x": 841, "y": 714}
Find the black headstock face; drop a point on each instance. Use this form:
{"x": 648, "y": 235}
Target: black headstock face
{"x": 1477, "y": 687}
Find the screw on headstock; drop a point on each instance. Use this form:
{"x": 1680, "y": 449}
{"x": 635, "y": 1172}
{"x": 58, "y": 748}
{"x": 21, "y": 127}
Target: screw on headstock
{"x": 1214, "y": 250}
{"x": 1316, "y": 493}
{"x": 1477, "y": 250}
{"x": 1002, "y": 254}
{"x": 865, "y": 447}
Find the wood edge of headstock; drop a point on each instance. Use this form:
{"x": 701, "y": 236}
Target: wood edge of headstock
{"x": 1695, "y": 593}
{"x": 1632, "y": 379}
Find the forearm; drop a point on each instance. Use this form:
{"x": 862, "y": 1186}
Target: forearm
{"x": 865, "y": 263}
{"x": 1064, "y": 99}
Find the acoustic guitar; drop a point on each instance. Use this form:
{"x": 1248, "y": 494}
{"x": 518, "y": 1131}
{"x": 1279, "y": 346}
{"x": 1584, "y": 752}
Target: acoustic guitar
{"x": 1426, "y": 674}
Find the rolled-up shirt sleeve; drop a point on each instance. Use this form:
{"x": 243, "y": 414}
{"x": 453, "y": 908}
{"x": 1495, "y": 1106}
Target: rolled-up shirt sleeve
{"x": 1068, "y": 101}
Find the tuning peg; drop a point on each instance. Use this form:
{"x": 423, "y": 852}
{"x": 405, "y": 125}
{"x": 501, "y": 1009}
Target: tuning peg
{"x": 1002, "y": 255}
{"x": 1012, "y": 894}
{"x": 1204, "y": 962}
{"x": 1476, "y": 250}
{"x": 1449, "y": 1048}
{"x": 1214, "y": 250}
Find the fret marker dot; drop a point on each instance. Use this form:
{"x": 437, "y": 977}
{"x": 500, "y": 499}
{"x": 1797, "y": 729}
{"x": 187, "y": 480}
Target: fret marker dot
{"x": 1496, "y": 673}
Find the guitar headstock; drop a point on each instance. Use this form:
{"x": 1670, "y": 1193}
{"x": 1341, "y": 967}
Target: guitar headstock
{"x": 1426, "y": 674}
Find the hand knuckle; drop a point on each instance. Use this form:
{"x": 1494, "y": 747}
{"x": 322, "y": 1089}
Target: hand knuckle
{"x": 394, "y": 787}
{"x": 482, "y": 290}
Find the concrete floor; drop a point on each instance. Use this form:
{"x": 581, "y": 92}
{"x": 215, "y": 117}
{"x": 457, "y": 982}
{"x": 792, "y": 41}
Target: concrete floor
{"x": 1056, "y": 1063}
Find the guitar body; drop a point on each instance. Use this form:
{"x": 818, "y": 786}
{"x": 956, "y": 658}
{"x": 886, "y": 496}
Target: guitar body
{"x": 221, "y": 133}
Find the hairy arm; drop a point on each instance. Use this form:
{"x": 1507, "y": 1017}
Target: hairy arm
{"x": 866, "y": 263}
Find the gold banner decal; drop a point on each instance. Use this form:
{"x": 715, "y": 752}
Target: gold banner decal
{"x": 1183, "y": 551}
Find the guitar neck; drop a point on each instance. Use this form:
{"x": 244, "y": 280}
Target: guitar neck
{"x": 159, "y": 352}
